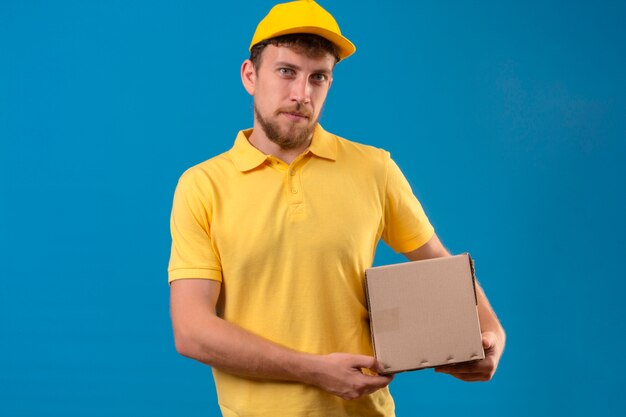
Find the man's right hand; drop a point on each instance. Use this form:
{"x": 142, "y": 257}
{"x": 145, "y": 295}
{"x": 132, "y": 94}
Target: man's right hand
{"x": 341, "y": 374}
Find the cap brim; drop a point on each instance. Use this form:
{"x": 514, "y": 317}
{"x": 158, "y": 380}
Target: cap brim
{"x": 346, "y": 48}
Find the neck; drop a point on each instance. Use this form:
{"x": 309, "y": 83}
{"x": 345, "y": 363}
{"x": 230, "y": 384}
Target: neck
{"x": 259, "y": 140}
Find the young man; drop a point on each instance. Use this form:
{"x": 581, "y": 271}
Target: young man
{"x": 271, "y": 239}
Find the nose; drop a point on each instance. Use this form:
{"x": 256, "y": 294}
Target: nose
{"x": 301, "y": 90}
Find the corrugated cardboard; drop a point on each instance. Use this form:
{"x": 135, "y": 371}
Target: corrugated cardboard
{"x": 423, "y": 314}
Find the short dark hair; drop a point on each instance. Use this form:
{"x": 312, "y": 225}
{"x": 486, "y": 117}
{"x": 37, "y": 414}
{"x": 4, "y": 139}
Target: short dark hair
{"x": 313, "y": 46}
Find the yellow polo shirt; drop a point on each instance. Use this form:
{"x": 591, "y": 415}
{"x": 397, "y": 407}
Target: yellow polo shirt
{"x": 290, "y": 245}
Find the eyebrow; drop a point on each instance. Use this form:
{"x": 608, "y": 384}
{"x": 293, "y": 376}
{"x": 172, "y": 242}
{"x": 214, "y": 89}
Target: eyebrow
{"x": 296, "y": 67}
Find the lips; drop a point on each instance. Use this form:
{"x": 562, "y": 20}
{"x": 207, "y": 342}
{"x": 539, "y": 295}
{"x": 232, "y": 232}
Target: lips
{"x": 297, "y": 111}
{"x": 295, "y": 116}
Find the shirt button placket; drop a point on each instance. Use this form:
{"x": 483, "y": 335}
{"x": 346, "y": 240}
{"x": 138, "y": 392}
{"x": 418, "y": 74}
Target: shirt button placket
{"x": 297, "y": 211}
{"x": 293, "y": 181}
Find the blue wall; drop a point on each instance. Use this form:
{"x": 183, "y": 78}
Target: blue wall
{"x": 508, "y": 118}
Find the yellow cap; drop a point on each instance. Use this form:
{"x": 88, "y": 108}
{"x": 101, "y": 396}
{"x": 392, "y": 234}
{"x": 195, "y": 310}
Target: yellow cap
{"x": 302, "y": 16}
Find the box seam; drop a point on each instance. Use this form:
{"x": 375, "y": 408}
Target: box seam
{"x": 473, "y": 272}
{"x": 369, "y": 313}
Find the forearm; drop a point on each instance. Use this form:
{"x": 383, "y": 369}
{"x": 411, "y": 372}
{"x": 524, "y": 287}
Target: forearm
{"x": 223, "y": 345}
{"x": 488, "y": 320}
{"x": 234, "y": 350}
{"x": 202, "y": 335}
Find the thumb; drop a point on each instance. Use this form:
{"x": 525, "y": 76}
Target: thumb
{"x": 489, "y": 340}
{"x": 368, "y": 362}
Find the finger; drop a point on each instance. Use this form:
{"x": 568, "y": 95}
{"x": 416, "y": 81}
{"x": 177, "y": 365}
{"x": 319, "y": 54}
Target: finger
{"x": 461, "y": 371}
{"x": 480, "y": 375}
{"x": 378, "y": 366}
{"x": 380, "y": 377}
{"x": 489, "y": 340}
{"x": 455, "y": 370}
{"x": 486, "y": 365}
{"x": 376, "y": 382}
{"x": 369, "y": 389}
{"x": 458, "y": 368}
{"x": 363, "y": 361}
{"x": 472, "y": 378}
{"x": 368, "y": 362}
{"x": 464, "y": 368}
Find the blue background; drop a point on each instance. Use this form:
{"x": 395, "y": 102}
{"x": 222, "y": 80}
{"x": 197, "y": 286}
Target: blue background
{"x": 508, "y": 118}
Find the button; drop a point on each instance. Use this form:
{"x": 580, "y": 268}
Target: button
{"x": 292, "y": 172}
{"x": 294, "y": 191}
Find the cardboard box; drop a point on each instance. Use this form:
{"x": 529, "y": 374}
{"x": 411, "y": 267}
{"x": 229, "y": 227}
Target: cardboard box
{"x": 423, "y": 314}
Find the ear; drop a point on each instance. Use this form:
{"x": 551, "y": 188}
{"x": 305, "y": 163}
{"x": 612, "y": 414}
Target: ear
{"x": 248, "y": 76}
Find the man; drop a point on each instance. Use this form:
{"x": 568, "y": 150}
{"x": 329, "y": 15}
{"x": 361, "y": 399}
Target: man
{"x": 271, "y": 239}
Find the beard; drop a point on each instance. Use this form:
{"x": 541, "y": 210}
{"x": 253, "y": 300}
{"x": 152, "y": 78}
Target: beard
{"x": 293, "y": 135}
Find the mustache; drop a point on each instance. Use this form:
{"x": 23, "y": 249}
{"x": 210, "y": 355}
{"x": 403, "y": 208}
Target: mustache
{"x": 298, "y": 110}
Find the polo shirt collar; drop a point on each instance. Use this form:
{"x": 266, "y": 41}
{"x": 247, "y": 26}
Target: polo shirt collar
{"x": 243, "y": 154}
{"x": 247, "y": 157}
{"x": 323, "y": 144}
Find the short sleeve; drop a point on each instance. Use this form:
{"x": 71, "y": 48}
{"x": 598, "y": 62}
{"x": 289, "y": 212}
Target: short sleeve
{"x": 193, "y": 254}
{"x": 406, "y": 226}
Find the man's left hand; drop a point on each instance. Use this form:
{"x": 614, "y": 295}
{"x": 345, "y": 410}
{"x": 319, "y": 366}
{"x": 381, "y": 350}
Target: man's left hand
{"x": 481, "y": 370}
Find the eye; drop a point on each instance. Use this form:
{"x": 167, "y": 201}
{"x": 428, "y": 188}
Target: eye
{"x": 319, "y": 78}
{"x": 286, "y": 72}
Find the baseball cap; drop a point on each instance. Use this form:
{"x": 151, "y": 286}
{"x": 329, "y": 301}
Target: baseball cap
{"x": 302, "y": 16}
